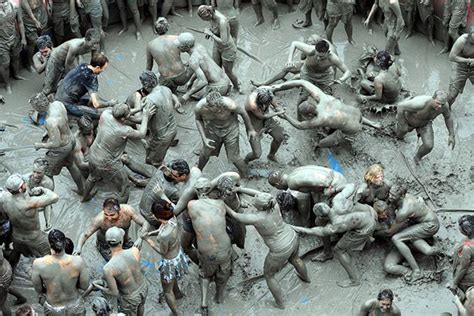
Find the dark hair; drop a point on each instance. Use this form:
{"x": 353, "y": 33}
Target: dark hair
{"x": 25, "y": 310}
{"x": 161, "y": 26}
{"x": 41, "y": 162}
{"x": 111, "y": 204}
{"x": 384, "y": 59}
{"x": 85, "y": 123}
{"x": 274, "y": 176}
{"x": 98, "y": 60}
{"x": 399, "y": 188}
{"x": 286, "y": 201}
{"x": 57, "y": 240}
{"x": 69, "y": 246}
{"x": 466, "y": 225}
{"x": 225, "y": 183}
{"x": 264, "y": 96}
{"x": 385, "y": 294}
{"x": 44, "y": 41}
{"x": 205, "y": 10}
{"x": 180, "y": 166}
{"x": 92, "y": 34}
{"x": 149, "y": 77}
{"x": 322, "y": 46}
{"x": 162, "y": 209}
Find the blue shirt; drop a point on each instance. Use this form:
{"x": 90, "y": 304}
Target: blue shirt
{"x": 76, "y": 84}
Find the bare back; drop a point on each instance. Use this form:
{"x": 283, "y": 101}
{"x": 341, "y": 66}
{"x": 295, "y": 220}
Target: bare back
{"x": 334, "y": 114}
{"x": 214, "y": 74}
{"x": 125, "y": 268}
{"x": 313, "y": 178}
{"x": 223, "y": 118}
{"x": 427, "y": 114}
{"x": 57, "y": 119}
{"x": 166, "y": 54}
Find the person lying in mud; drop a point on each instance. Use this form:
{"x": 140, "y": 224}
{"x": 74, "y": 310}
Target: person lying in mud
{"x": 375, "y": 187}
{"x": 123, "y": 277}
{"x": 415, "y": 223}
{"x": 356, "y": 221}
{"x": 417, "y": 113}
{"x": 113, "y": 214}
{"x": 386, "y": 84}
{"x": 382, "y": 305}
{"x": 59, "y": 277}
{"x": 325, "y": 111}
{"x": 281, "y": 240}
{"x": 214, "y": 247}
{"x": 463, "y": 258}
{"x": 318, "y": 182}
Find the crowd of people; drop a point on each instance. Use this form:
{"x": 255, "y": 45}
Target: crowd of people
{"x": 185, "y": 216}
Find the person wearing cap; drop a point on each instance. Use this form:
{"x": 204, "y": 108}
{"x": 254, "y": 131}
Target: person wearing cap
{"x": 417, "y": 113}
{"x": 60, "y": 142}
{"x": 113, "y": 214}
{"x": 174, "y": 263}
{"x": 123, "y": 276}
{"x": 38, "y": 178}
{"x": 281, "y": 240}
{"x": 22, "y": 210}
{"x": 59, "y": 277}
{"x": 462, "y": 55}
{"x": 165, "y": 52}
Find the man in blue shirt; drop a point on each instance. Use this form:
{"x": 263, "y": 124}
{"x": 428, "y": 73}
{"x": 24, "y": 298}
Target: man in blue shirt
{"x": 79, "y": 89}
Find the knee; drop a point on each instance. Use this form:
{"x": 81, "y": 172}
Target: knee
{"x": 428, "y": 144}
{"x": 332, "y": 23}
{"x": 388, "y": 268}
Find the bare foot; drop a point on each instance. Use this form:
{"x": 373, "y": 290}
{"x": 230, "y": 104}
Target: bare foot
{"x": 174, "y": 143}
{"x": 351, "y": 41}
{"x": 259, "y": 21}
{"x": 204, "y": 311}
{"x": 179, "y": 295}
{"x": 125, "y": 29}
{"x": 371, "y": 31}
{"x": 298, "y": 24}
{"x": 138, "y": 35}
{"x": 322, "y": 257}
{"x": 348, "y": 283}
{"x": 272, "y": 158}
{"x": 417, "y": 160}
{"x": 276, "y": 24}
{"x": 416, "y": 275}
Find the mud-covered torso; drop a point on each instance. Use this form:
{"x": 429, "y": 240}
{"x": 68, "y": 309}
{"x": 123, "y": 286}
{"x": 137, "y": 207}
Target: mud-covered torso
{"x": 166, "y": 54}
{"x": 163, "y": 121}
{"x": 8, "y": 22}
{"x": 277, "y": 235}
{"x": 335, "y": 114}
{"x": 424, "y": 116}
{"x": 123, "y": 222}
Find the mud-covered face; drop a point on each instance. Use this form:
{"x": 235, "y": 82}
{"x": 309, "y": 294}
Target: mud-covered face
{"x": 93, "y": 43}
{"x": 38, "y": 174}
{"x": 111, "y": 214}
{"x": 320, "y": 55}
{"x": 45, "y": 51}
{"x": 439, "y": 102}
{"x": 385, "y": 305}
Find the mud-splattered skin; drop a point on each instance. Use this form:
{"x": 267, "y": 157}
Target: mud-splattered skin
{"x": 60, "y": 277}
{"x": 372, "y": 308}
{"x": 164, "y": 51}
{"x": 5, "y": 281}
{"x": 462, "y": 54}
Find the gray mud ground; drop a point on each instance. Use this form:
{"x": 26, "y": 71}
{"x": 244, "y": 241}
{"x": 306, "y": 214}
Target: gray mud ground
{"x": 445, "y": 173}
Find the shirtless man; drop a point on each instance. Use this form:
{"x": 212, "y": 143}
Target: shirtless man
{"x": 38, "y": 178}
{"x": 5, "y": 228}
{"x": 273, "y": 7}
{"x": 11, "y": 43}
{"x": 422, "y": 224}
{"x": 214, "y": 246}
{"x": 123, "y": 276}
{"x": 133, "y": 7}
{"x": 45, "y": 48}
{"x": 58, "y": 277}
{"x": 113, "y": 214}
{"x": 312, "y": 180}
{"x": 386, "y": 84}
{"x": 164, "y": 50}
{"x": 35, "y": 20}
{"x": 328, "y": 112}
{"x": 224, "y": 51}
{"x": 418, "y": 113}
{"x": 208, "y": 76}
{"x": 375, "y": 187}
{"x": 218, "y": 124}
{"x": 455, "y": 13}
{"x": 282, "y": 241}
{"x": 106, "y": 151}
{"x": 258, "y": 105}
{"x": 230, "y": 9}
{"x": 84, "y": 137}
{"x": 64, "y": 56}
{"x": 356, "y": 221}
{"x": 462, "y": 54}
{"x": 60, "y": 142}
{"x": 393, "y": 23}
{"x": 382, "y": 305}
{"x": 22, "y": 210}
{"x": 319, "y": 64}
{"x": 174, "y": 263}
{"x": 340, "y": 11}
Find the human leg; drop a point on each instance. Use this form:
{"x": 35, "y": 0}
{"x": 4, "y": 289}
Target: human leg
{"x": 257, "y": 7}
{"x": 427, "y": 141}
{"x": 270, "y": 269}
{"x": 229, "y": 70}
{"x": 392, "y": 263}
{"x": 333, "y": 21}
{"x": 345, "y": 260}
{"x": 276, "y": 131}
{"x": 77, "y": 177}
{"x": 123, "y": 16}
{"x": 133, "y": 6}
{"x": 300, "y": 267}
{"x": 169, "y": 294}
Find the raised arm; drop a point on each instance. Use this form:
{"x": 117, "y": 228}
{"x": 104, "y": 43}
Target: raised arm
{"x": 314, "y": 91}
{"x": 247, "y": 219}
{"x": 303, "y": 47}
{"x": 47, "y": 197}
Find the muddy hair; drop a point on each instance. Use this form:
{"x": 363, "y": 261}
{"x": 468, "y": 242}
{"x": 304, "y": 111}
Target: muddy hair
{"x": 40, "y": 162}
{"x": 39, "y": 102}
{"x": 372, "y": 172}
{"x": 225, "y": 184}
{"x": 214, "y": 98}
{"x": 440, "y": 95}
{"x": 98, "y": 60}
{"x": 44, "y": 41}
{"x": 25, "y": 310}
{"x": 270, "y": 201}
{"x": 264, "y": 97}
{"x": 466, "y": 225}
{"x": 161, "y": 26}
{"x": 399, "y": 187}
{"x": 186, "y": 41}
{"x": 69, "y": 246}
{"x": 162, "y": 209}
{"x": 380, "y": 206}
{"x": 385, "y": 294}
{"x": 57, "y": 240}
{"x": 92, "y": 34}
{"x": 180, "y": 166}
{"x": 322, "y": 46}
{"x": 101, "y": 306}
{"x": 383, "y": 59}
{"x": 274, "y": 177}
{"x": 111, "y": 204}
{"x": 149, "y": 78}
{"x": 205, "y": 11}
{"x": 121, "y": 111}
{"x": 286, "y": 201}
{"x": 85, "y": 124}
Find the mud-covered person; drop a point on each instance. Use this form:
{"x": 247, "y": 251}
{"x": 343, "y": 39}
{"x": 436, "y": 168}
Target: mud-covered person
{"x": 339, "y": 11}
{"x": 279, "y": 237}
{"x": 38, "y": 178}
{"x": 84, "y": 138}
{"x": 230, "y": 9}
{"x": 12, "y": 40}
{"x": 462, "y": 55}
{"x": 6, "y": 278}
{"x": 207, "y": 75}
{"x": 217, "y": 122}
{"x": 79, "y": 90}
{"x": 174, "y": 263}
{"x": 375, "y": 187}
{"x": 466, "y": 309}
{"x": 417, "y": 113}
{"x": 44, "y": 44}
{"x": 273, "y": 7}
{"x": 105, "y": 159}
{"x": 213, "y": 243}
{"x": 258, "y": 105}
{"x": 59, "y": 277}
{"x": 65, "y": 20}
{"x": 60, "y": 141}
{"x": 5, "y": 227}
{"x": 123, "y": 276}
{"x": 149, "y": 81}
{"x": 164, "y": 51}
{"x": 113, "y": 214}
{"x": 382, "y": 305}
{"x": 387, "y": 85}
{"x": 296, "y": 207}
{"x": 455, "y": 15}
{"x": 35, "y": 20}
{"x": 463, "y": 258}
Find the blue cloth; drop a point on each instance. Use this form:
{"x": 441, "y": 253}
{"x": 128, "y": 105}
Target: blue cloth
{"x": 77, "y": 83}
